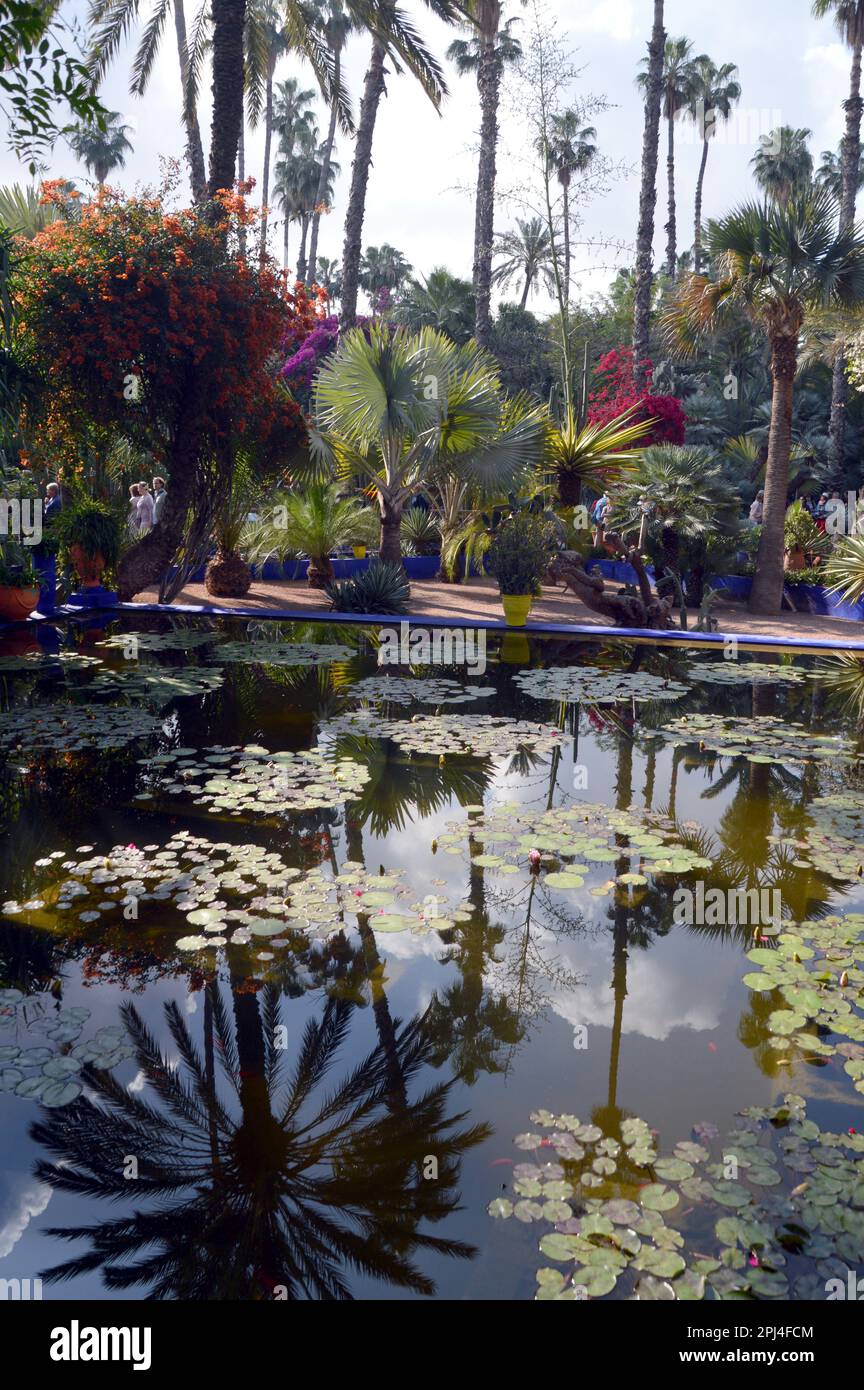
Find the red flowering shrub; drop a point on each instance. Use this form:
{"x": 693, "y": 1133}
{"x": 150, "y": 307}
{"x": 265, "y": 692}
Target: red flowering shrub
{"x": 618, "y": 391}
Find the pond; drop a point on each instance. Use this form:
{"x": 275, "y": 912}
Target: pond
{"x": 533, "y": 969}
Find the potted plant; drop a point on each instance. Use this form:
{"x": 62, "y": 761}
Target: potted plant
{"x": 518, "y": 557}
{"x": 19, "y": 583}
{"x": 88, "y": 534}
{"x": 228, "y": 575}
{"x": 802, "y": 538}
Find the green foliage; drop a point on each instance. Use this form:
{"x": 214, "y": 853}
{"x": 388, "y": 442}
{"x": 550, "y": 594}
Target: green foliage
{"x": 520, "y": 553}
{"x": 379, "y": 589}
{"x": 313, "y": 522}
{"x": 91, "y": 525}
{"x": 845, "y": 570}
{"x": 420, "y": 534}
{"x": 800, "y": 532}
{"x": 39, "y": 79}
{"x": 16, "y": 566}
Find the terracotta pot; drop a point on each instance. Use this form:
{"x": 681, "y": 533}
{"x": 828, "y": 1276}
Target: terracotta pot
{"x": 89, "y": 568}
{"x": 17, "y": 604}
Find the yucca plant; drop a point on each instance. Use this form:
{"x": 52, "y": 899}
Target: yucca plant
{"x": 381, "y": 588}
{"x": 845, "y": 570}
{"x": 586, "y": 455}
{"x": 314, "y": 522}
{"x": 420, "y": 534}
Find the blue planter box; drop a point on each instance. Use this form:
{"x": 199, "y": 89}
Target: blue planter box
{"x": 812, "y": 598}
{"x": 618, "y": 571}
{"x": 735, "y": 585}
{"x": 422, "y": 566}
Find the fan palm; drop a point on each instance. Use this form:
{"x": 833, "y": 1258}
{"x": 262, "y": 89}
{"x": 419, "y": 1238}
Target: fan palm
{"x": 780, "y": 261}
{"x": 571, "y": 149}
{"x": 274, "y": 1188}
{"x": 713, "y": 93}
{"x": 484, "y": 56}
{"x": 101, "y": 149}
{"x": 391, "y": 405}
{"x": 679, "y": 82}
{"x": 783, "y": 165}
{"x": 313, "y": 522}
{"x": 830, "y": 172}
{"x": 590, "y": 455}
{"x": 526, "y": 252}
{"x": 329, "y": 276}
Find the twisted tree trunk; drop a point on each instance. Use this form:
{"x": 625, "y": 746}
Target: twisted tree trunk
{"x": 648, "y": 197}
{"x": 851, "y": 161}
{"x": 373, "y": 90}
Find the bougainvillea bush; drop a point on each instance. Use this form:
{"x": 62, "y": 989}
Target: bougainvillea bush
{"x": 152, "y": 324}
{"x": 618, "y": 391}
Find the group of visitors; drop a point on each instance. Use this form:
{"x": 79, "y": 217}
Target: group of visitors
{"x": 146, "y": 507}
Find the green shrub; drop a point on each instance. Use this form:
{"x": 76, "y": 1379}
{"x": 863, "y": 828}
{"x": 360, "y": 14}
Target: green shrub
{"x": 381, "y": 588}
{"x": 16, "y": 567}
{"x": 420, "y": 534}
{"x": 93, "y": 526}
{"x": 520, "y": 553}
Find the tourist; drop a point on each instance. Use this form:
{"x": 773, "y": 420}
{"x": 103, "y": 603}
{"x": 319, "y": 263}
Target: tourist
{"x": 159, "y": 495}
{"x": 132, "y": 520}
{"x": 145, "y": 509}
{"x": 598, "y": 515}
{"x": 820, "y": 513}
{"x": 53, "y": 501}
{"x": 757, "y": 508}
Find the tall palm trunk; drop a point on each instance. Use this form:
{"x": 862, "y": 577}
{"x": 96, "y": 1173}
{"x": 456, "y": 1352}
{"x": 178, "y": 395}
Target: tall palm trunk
{"x": 524, "y": 300}
{"x": 241, "y": 175}
{"x": 301, "y": 257}
{"x": 268, "y": 140}
{"x": 324, "y": 177}
{"x": 767, "y": 592}
{"x": 566, "y": 188}
{"x": 390, "y": 551}
{"x": 488, "y": 84}
{"x": 286, "y": 226}
{"x": 671, "y": 225}
{"x": 373, "y": 90}
{"x": 697, "y": 229}
{"x": 194, "y": 148}
{"x": 648, "y": 196}
{"x": 229, "y": 20}
{"x": 851, "y": 159}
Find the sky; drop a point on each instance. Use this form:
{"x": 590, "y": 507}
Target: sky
{"x": 793, "y": 71}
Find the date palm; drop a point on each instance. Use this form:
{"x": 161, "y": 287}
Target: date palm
{"x": 395, "y": 37}
{"x": 438, "y": 300}
{"x": 338, "y": 25}
{"x": 294, "y": 123}
{"x": 383, "y": 268}
{"x": 102, "y": 150}
{"x": 653, "y": 88}
{"x": 714, "y": 93}
{"x": 780, "y": 261}
{"x": 572, "y": 148}
{"x": 848, "y": 16}
{"x": 485, "y": 55}
{"x": 266, "y": 41}
{"x": 391, "y": 405}
{"x": 783, "y": 165}
{"x": 679, "y": 81}
{"x": 252, "y": 1178}
{"x": 526, "y": 252}
{"x": 110, "y": 22}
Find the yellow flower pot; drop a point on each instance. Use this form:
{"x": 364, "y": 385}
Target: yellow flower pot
{"x": 516, "y": 608}
{"x": 359, "y": 552}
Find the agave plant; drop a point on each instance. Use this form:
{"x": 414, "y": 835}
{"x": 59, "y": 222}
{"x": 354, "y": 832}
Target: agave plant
{"x": 382, "y": 588}
{"x": 313, "y": 522}
{"x": 420, "y": 533}
{"x": 845, "y": 570}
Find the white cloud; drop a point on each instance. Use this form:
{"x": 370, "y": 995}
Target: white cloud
{"x": 613, "y": 18}
{"x": 17, "y": 1208}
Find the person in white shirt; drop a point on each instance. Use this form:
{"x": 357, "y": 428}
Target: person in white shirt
{"x": 756, "y": 509}
{"x": 145, "y": 509}
{"x": 159, "y": 495}
{"x": 132, "y": 521}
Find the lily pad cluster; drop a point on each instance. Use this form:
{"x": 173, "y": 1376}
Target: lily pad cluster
{"x": 284, "y": 653}
{"x": 744, "y": 673}
{"x": 226, "y": 892}
{"x": 42, "y": 661}
{"x": 483, "y": 735}
{"x": 760, "y": 739}
{"x": 408, "y": 690}
{"x": 773, "y": 1210}
{"x": 50, "y": 1074}
{"x": 834, "y": 843}
{"x": 817, "y": 971}
{"x": 72, "y": 728}
{"x": 568, "y": 844}
{"x": 158, "y": 683}
{"x": 179, "y": 639}
{"x": 239, "y": 780}
{"x": 578, "y": 684}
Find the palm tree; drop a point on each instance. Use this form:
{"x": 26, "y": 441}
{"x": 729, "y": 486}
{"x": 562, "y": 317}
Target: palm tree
{"x": 296, "y": 186}
{"x": 391, "y": 404}
{"x": 527, "y": 252}
{"x": 648, "y": 197}
{"x": 830, "y": 172}
{"x": 485, "y": 55}
{"x": 848, "y": 16}
{"x": 101, "y": 149}
{"x": 266, "y": 42}
{"x": 395, "y": 37}
{"x": 714, "y": 92}
{"x": 252, "y": 1178}
{"x": 329, "y": 277}
{"x": 383, "y": 268}
{"x": 438, "y": 300}
{"x": 571, "y": 149}
{"x": 586, "y": 455}
{"x": 111, "y": 21}
{"x": 338, "y": 27}
{"x": 780, "y": 261}
{"x": 294, "y": 123}
{"x": 313, "y": 522}
{"x": 679, "y": 80}
{"x": 782, "y": 165}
